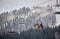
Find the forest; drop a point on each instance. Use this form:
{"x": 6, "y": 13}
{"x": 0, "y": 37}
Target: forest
{"x": 45, "y": 33}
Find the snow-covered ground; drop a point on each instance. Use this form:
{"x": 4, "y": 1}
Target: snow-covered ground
{"x": 57, "y": 19}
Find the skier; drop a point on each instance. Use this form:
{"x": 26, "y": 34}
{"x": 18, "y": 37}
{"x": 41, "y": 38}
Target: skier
{"x": 41, "y": 25}
{"x": 36, "y": 26}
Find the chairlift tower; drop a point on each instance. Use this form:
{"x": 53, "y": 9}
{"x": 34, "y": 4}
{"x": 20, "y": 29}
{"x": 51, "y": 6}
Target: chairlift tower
{"x": 57, "y": 6}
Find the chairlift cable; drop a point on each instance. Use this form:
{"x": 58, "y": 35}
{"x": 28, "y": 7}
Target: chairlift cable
{"x": 45, "y": 2}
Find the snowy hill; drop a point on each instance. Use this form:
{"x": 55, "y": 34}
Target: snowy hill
{"x": 25, "y": 18}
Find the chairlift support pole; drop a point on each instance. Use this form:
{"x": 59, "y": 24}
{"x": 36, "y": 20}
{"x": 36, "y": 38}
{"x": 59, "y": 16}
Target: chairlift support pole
{"x": 57, "y": 2}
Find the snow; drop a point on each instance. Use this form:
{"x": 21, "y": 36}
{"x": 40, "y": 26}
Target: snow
{"x": 24, "y": 20}
{"x": 58, "y": 19}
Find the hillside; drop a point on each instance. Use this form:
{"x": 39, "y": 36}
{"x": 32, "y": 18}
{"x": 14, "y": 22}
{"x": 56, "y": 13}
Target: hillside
{"x": 25, "y": 18}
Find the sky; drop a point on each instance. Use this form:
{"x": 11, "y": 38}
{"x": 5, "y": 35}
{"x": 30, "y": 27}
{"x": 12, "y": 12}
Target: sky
{"x": 9, "y": 5}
